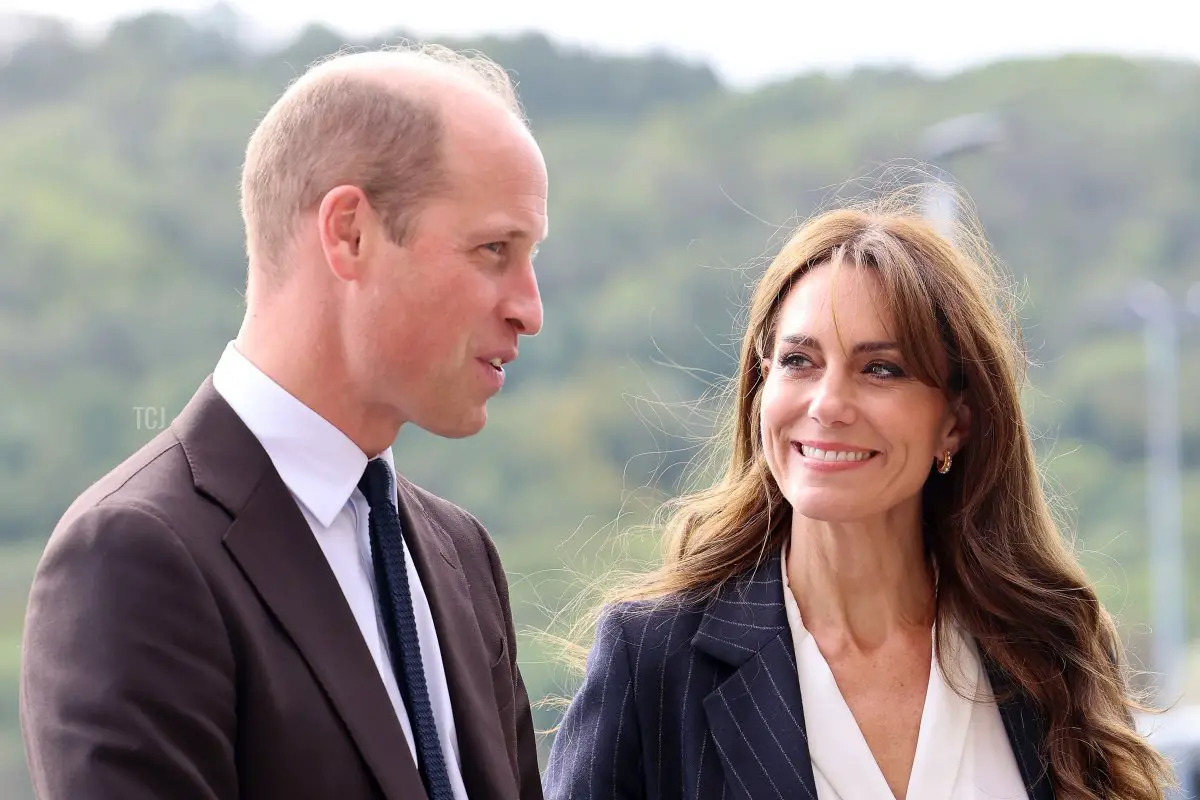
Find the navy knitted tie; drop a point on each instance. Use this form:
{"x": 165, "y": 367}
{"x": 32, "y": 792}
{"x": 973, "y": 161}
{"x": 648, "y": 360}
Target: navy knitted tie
{"x": 395, "y": 603}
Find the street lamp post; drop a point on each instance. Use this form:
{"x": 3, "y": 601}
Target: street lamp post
{"x": 943, "y": 141}
{"x": 1164, "y": 478}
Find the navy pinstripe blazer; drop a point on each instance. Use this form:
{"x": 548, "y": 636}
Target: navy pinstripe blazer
{"x": 686, "y": 703}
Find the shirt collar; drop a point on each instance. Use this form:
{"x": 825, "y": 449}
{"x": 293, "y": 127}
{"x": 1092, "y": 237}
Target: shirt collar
{"x": 318, "y": 463}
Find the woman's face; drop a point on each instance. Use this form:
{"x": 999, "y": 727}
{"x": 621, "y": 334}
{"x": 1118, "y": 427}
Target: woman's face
{"x": 847, "y": 432}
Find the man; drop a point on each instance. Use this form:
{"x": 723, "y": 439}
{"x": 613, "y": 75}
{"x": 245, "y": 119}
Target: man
{"x": 255, "y": 605}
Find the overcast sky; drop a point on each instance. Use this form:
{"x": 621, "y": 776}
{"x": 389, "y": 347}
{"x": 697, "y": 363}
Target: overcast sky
{"x": 746, "y": 41}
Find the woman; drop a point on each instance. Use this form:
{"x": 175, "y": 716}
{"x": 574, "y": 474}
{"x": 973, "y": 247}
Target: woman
{"x": 873, "y": 601}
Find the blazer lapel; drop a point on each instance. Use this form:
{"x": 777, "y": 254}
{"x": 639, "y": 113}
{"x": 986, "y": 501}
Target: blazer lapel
{"x": 274, "y": 546}
{"x": 756, "y": 715}
{"x": 1026, "y": 732}
{"x": 486, "y": 766}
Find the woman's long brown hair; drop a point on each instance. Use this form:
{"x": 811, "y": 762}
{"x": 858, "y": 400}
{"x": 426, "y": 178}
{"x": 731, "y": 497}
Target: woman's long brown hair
{"x": 1006, "y": 576}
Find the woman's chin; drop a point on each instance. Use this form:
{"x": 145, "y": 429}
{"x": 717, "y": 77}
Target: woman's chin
{"x": 831, "y": 505}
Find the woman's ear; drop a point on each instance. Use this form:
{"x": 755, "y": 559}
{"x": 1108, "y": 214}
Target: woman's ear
{"x": 958, "y": 425}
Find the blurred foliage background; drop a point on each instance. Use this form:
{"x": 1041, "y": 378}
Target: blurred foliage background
{"x": 121, "y": 268}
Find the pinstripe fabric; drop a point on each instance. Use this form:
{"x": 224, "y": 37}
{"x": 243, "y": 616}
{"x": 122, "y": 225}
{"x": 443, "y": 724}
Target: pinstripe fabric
{"x": 687, "y": 702}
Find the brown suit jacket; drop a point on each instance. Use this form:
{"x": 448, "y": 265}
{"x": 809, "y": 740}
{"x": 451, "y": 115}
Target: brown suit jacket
{"x": 186, "y": 639}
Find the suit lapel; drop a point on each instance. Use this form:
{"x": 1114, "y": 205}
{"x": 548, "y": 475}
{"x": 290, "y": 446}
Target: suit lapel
{"x": 1026, "y": 732}
{"x": 484, "y": 759}
{"x": 273, "y": 545}
{"x": 756, "y": 715}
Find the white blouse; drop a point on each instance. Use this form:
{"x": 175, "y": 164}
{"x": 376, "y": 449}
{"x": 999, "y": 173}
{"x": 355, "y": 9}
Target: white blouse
{"x": 963, "y": 751}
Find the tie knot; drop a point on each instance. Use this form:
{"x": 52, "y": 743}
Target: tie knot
{"x": 376, "y": 482}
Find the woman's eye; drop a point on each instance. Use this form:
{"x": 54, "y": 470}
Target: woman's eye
{"x": 794, "y": 361}
{"x": 882, "y": 369}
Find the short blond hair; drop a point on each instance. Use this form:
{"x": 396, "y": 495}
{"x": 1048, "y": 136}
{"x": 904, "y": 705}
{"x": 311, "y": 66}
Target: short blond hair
{"x": 342, "y": 123}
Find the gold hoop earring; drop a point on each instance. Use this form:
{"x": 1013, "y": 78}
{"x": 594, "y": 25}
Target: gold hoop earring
{"x": 947, "y": 460}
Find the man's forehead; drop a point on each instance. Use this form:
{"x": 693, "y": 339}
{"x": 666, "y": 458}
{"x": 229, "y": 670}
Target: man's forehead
{"x": 505, "y": 196}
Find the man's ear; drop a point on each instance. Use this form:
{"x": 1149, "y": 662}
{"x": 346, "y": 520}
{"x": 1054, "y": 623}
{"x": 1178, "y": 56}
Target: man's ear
{"x": 343, "y": 219}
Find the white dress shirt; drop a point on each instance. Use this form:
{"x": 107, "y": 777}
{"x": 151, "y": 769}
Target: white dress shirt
{"x": 321, "y": 467}
{"x": 963, "y": 751}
